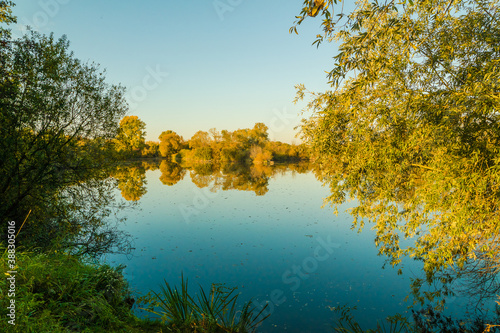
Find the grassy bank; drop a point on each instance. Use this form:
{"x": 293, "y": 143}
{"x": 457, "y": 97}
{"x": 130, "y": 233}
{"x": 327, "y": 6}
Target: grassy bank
{"x": 56, "y": 292}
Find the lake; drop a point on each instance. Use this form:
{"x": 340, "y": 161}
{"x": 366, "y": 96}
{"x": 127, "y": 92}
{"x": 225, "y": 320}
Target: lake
{"x": 264, "y": 231}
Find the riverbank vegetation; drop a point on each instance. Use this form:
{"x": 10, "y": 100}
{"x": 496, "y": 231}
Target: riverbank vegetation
{"x": 240, "y": 146}
{"x": 60, "y": 292}
{"x": 215, "y": 311}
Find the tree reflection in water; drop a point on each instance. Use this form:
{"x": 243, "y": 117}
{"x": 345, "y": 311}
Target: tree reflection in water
{"x": 131, "y": 181}
{"x": 477, "y": 278}
{"x": 132, "y": 177}
{"x": 171, "y": 173}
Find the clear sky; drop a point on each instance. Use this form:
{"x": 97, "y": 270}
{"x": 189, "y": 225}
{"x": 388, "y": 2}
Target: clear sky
{"x": 192, "y": 65}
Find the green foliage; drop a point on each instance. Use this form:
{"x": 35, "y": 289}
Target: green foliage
{"x": 411, "y": 128}
{"x": 57, "y": 292}
{"x": 213, "y": 312}
{"x": 58, "y": 117}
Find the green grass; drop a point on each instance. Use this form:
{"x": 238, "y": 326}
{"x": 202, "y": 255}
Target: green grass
{"x": 62, "y": 293}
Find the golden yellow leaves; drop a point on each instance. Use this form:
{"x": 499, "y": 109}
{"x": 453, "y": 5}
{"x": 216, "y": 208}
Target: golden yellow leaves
{"x": 315, "y": 7}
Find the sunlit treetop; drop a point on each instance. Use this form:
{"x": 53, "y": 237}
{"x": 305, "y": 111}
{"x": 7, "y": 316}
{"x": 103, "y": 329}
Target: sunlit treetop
{"x": 131, "y": 134}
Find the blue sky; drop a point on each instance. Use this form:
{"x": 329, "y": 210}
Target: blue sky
{"x": 193, "y": 65}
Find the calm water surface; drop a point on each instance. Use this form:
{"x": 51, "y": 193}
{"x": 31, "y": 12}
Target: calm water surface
{"x": 271, "y": 240}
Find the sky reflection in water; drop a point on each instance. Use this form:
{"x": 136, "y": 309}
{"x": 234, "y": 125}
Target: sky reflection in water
{"x": 280, "y": 247}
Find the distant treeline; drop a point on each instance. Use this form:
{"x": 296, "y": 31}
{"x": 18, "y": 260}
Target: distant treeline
{"x": 242, "y": 146}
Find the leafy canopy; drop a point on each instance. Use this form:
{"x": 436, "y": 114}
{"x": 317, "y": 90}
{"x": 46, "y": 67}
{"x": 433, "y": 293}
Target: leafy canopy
{"x": 131, "y": 134}
{"x": 170, "y": 143}
{"x": 58, "y": 116}
{"x": 411, "y": 126}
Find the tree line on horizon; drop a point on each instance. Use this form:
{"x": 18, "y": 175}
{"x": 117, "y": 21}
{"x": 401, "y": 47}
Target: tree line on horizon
{"x": 240, "y": 146}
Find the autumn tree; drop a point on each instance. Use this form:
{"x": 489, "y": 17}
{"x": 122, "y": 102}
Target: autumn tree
{"x": 215, "y": 143}
{"x": 215, "y": 135}
{"x": 411, "y": 127}
{"x": 258, "y": 135}
{"x": 236, "y": 146}
{"x": 151, "y": 149}
{"x": 285, "y": 152}
{"x": 170, "y": 143}
{"x": 260, "y": 156}
{"x": 240, "y": 177}
{"x": 200, "y": 139}
{"x": 131, "y": 135}
{"x": 201, "y": 143}
{"x": 240, "y": 146}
